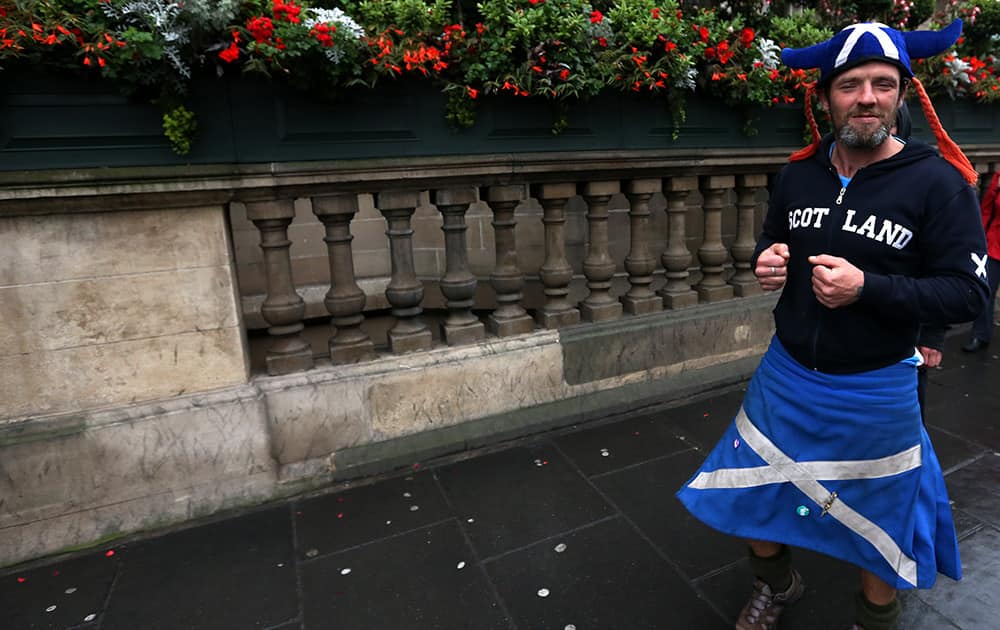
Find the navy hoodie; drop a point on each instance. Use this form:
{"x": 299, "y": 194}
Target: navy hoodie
{"x": 910, "y": 222}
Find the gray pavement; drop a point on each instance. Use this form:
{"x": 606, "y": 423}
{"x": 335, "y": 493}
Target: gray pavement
{"x": 573, "y": 529}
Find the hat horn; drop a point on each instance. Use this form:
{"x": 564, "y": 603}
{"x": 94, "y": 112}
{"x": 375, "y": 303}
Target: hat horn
{"x": 805, "y": 58}
{"x": 921, "y": 44}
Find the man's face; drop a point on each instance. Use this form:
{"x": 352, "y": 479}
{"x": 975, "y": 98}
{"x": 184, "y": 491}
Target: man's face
{"x": 863, "y": 102}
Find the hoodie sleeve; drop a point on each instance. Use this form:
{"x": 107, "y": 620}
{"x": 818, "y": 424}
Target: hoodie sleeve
{"x": 952, "y": 285}
{"x": 775, "y": 229}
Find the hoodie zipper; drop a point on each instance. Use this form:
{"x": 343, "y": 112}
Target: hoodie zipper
{"x": 829, "y": 239}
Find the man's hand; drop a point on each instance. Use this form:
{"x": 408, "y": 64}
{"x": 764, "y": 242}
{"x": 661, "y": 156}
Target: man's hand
{"x": 772, "y": 267}
{"x": 835, "y": 281}
{"x": 932, "y": 357}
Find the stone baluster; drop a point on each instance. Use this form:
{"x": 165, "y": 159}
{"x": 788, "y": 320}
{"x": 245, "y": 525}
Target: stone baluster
{"x": 405, "y": 292}
{"x": 712, "y": 254}
{"x": 458, "y": 284}
{"x": 677, "y": 292}
{"x": 599, "y": 267}
{"x": 555, "y": 272}
{"x": 744, "y": 281}
{"x": 345, "y": 301}
{"x": 639, "y": 263}
{"x": 509, "y": 318}
{"x": 283, "y": 308}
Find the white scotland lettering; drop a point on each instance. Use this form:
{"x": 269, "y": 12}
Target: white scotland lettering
{"x": 803, "y": 217}
{"x": 890, "y": 233}
{"x": 980, "y": 265}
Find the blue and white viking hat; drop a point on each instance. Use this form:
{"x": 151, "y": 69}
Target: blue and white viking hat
{"x": 873, "y": 41}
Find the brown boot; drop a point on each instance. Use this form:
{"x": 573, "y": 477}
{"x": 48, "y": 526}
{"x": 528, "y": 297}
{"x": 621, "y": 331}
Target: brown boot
{"x": 764, "y": 607}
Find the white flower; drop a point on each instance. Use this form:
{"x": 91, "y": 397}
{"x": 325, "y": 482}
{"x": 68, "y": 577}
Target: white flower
{"x": 770, "y": 53}
{"x": 343, "y": 22}
{"x": 338, "y": 18}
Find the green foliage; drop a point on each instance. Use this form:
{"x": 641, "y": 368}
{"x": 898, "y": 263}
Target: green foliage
{"x": 180, "y": 126}
{"x": 982, "y": 33}
{"x": 559, "y": 51}
{"x": 799, "y": 30}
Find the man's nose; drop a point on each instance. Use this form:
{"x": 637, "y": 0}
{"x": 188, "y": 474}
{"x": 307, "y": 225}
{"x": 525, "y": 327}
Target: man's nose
{"x": 867, "y": 94}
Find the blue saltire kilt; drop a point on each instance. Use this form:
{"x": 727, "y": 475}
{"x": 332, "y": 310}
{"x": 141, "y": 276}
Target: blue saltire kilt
{"x": 897, "y": 525}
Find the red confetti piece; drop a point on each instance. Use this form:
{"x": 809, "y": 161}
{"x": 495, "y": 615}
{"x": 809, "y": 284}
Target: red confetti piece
{"x": 545, "y": 462}
{"x": 21, "y": 580}
{"x": 704, "y": 415}
{"x": 636, "y": 433}
{"x": 416, "y": 466}
{"x": 109, "y": 553}
{"x": 341, "y": 515}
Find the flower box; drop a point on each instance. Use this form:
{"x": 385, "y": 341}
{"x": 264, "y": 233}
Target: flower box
{"x": 58, "y": 124}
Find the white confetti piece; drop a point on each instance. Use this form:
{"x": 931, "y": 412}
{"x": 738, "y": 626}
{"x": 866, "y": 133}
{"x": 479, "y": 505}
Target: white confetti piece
{"x": 538, "y": 462}
{"x": 543, "y": 592}
{"x": 605, "y": 453}
{"x": 471, "y": 520}
{"x": 70, "y": 590}
{"x": 561, "y": 547}
{"x": 312, "y": 553}
{"x": 281, "y": 564}
{"x": 388, "y": 522}
{"x": 90, "y": 617}
{"x": 569, "y": 626}
{"x": 407, "y": 495}
{"x": 345, "y": 571}
{"x": 461, "y": 565}
{"x": 50, "y": 608}
{"x": 414, "y": 508}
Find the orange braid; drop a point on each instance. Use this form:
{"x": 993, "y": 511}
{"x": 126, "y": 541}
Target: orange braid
{"x": 946, "y": 146}
{"x": 809, "y": 151}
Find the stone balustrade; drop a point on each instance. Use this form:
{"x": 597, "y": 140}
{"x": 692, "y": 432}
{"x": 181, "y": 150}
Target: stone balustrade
{"x": 177, "y": 341}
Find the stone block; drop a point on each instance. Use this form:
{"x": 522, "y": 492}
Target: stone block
{"x": 73, "y": 479}
{"x": 64, "y": 247}
{"x": 312, "y": 415}
{"x": 100, "y": 375}
{"x": 74, "y": 313}
{"x": 443, "y": 388}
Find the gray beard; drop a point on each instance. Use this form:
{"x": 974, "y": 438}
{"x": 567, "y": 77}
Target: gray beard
{"x": 851, "y": 139}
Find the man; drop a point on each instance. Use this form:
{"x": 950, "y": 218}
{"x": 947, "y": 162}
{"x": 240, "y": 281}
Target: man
{"x": 868, "y": 237}
{"x": 982, "y": 328}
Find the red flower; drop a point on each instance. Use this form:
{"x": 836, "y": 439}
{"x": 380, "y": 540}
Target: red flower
{"x": 596, "y": 17}
{"x": 655, "y": 13}
{"x": 602, "y": 42}
{"x": 702, "y": 33}
{"x": 230, "y": 54}
{"x": 262, "y": 28}
{"x": 724, "y": 53}
{"x": 473, "y": 93}
{"x": 746, "y": 37}
{"x": 564, "y": 74}
{"x": 537, "y": 69}
{"x": 534, "y": 2}
{"x": 670, "y": 47}
{"x": 480, "y": 28}
{"x": 286, "y": 11}
{"x": 709, "y": 53}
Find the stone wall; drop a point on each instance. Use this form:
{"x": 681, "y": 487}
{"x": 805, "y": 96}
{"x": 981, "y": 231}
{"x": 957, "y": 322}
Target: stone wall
{"x": 111, "y": 308}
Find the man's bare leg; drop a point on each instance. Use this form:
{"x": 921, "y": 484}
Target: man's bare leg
{"x": 877, "y": 606}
